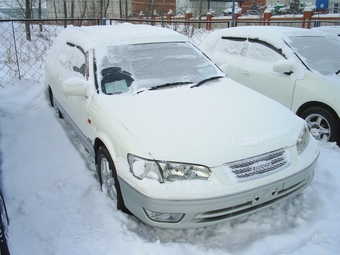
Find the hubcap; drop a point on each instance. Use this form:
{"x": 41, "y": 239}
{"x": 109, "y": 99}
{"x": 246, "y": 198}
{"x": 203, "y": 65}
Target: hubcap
{"x": 319, "y": 127}
{"x": 107, "y": 178}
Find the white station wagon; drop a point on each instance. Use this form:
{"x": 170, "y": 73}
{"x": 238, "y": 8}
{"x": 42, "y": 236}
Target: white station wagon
{"x": 176, "y": 142}
{"x": 297, "y": 67}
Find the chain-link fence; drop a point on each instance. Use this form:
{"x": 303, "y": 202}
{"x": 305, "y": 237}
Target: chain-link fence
{"x": 24, "y": 45}
{"x": 195, "y": 30}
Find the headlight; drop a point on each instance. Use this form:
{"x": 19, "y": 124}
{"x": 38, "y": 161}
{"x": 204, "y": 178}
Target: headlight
{"x": 144, "y": 168}
{"x": 178, "y": 171}
{"x": 166, "y": 171}
{"x": 302, "y": 140}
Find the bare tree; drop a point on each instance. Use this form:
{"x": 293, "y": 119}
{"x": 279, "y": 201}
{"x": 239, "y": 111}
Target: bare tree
{"x": 55, "y": 10}
{"x": 83, "y": 8}
{"x": 39, "y": 15}
{"x": 28, "y": 13}
{"x": 106, "y": 7}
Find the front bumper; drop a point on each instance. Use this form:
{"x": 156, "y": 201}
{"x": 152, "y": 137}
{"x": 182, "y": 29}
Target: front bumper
{"x": 208, "y": 211}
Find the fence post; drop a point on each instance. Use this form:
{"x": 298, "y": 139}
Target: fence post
{"x": 236, "y": 16}
{"x": 208, "y": 24}
{"x": 267, "y": 16}
{"x": 153, "y": 17}
{"x": 16, "y": 51}
{"x": 307, "y": 17}
{"x": 188, "y": 15}
{"x": 169, "y": 15}
{"x": 140, "y": 17}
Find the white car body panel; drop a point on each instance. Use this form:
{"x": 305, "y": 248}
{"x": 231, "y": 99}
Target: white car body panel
{"x": 319, "y": 89}
{"x": 277, "y": 86}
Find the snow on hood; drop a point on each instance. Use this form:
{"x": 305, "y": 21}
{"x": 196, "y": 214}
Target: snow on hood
{"x": 212, "y": 124}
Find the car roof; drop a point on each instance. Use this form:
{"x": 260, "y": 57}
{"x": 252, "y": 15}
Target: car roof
{"x": 90, "y": 37}
{"x": 334, "y": 31}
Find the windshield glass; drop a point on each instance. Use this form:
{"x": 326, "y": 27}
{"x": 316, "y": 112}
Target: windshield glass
{"x": 144, "y": 66}
{"x": 319, "y": 53}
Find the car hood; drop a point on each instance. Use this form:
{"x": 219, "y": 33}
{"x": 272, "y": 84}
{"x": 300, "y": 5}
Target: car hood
{"x": 216, "y": 123}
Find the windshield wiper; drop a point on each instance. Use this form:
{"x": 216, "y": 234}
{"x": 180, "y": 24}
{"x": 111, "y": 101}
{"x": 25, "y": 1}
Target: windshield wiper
{"x": 170, "y": 84}
{"x": 206, "y": 80}
{"x": 337, "y": 72}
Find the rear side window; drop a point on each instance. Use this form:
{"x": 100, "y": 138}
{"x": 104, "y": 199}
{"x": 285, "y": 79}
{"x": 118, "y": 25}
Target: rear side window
{"x": 259, "y": 50}
{"x": 232, "y": 46}
{"x": 250, "y": 48}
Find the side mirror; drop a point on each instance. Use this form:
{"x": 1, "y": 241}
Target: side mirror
{"x": 74, "y": 87}
{"x": 283, "y": 66}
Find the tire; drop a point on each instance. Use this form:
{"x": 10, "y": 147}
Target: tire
{"x": 50, "y": 96}
{"x": 108, "y": 178}
{"x": 52, "y": 103}
{"x": 323, "y": 124}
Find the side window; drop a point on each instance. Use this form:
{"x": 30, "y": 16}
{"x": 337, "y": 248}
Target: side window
{"x": 226, "y": 49}
{"x": 262, "y": 51}
{"x": 250, "y": 48}
{"x": 231, "y": 46}
{"x": 73, "y": 59}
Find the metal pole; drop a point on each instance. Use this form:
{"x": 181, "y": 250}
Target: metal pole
{"x": 233, "y": 14}
{"x": 16, "y": 52}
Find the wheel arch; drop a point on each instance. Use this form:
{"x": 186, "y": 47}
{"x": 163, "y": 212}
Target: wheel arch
{"x": 99, "y": 142}
{"x": 310, "y": 104}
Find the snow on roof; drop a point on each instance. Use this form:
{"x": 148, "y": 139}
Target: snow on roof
{"x": 89, "y": 37}
{"x": 270, "y": 34}
{"x": 333, "y": 31}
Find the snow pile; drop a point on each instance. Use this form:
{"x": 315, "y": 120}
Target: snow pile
{"x": 56, "y": 206}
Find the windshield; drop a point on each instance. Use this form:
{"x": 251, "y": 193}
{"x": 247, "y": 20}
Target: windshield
{"x": 155, "y": 65}
{"x": 319, "y": 53}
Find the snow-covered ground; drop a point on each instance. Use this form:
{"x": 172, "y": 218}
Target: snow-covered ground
{"x": 56, "y": 206}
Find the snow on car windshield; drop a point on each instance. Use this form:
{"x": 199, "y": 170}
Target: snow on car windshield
{"x": 319, "y": 53}
{"x": 149, "y": 65}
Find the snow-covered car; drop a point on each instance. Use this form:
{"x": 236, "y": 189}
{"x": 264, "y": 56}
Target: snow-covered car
{"x": 297, "y": 67}
{"x": 229, "y": 11}
{"x": 175, "y": 142}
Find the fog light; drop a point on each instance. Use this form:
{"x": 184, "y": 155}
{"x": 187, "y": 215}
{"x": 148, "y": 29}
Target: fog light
{"x": 164, "y": 217}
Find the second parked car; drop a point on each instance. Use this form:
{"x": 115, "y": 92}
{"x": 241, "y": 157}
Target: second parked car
{"x": 299, "y": 68}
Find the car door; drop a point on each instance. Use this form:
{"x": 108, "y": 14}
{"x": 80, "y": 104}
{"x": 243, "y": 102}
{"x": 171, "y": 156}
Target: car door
{"x": 255, "y": 70}
{"x": 76, "y": 65}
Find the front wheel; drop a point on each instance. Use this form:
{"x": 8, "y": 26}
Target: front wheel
{"x": 53, "y": 104}
{"x": 108, "y": 178}
{"x": 323, "y": 124}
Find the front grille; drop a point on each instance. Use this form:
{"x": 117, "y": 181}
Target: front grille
{"x": 259, "y": 166}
